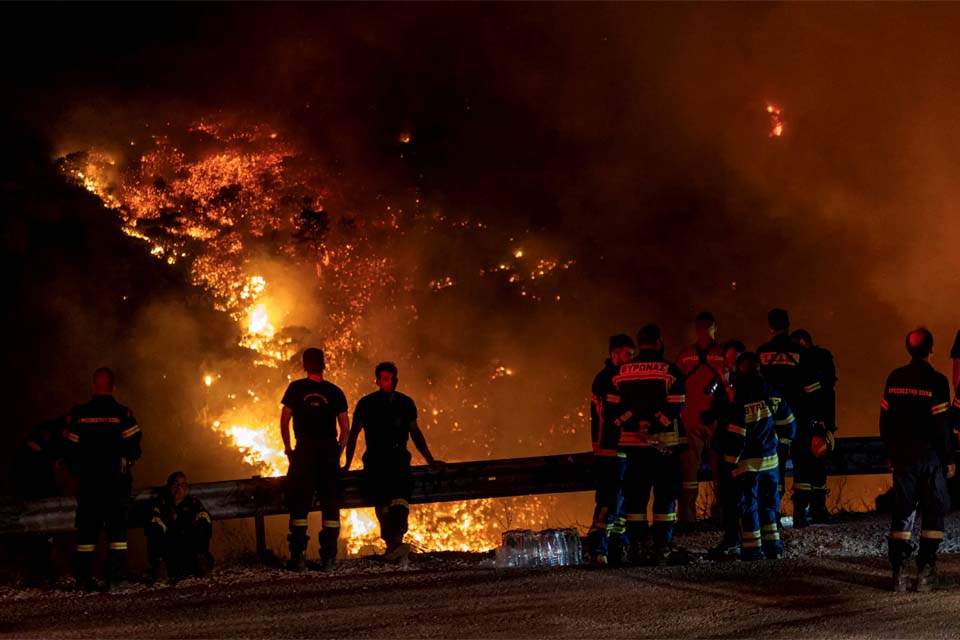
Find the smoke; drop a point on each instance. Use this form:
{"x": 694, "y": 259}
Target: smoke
{"x": 631, "y": 140}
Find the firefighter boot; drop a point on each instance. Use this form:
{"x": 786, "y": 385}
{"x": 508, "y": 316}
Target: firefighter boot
{"x": 298, "y": 552}
{"x": 117, "y": 570}
{"x": 83, "y": 572}
{"x": 819, "y": 514}
{"x": 159, "y": 572}
{"x": 926, "y": 576}
{"x": 800, "y": 501}
{"x": 899, "y": 551}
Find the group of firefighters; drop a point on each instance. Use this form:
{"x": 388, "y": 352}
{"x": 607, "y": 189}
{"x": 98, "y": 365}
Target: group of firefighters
{"x": 100, "y": 441}
{"x": 655, "y": 425}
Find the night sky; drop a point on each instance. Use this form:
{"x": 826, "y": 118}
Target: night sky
{"x": 632, "y": 138}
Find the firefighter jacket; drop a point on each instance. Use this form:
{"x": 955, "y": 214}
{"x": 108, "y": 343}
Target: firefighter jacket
{"x": 651, "y": 400}
{"x": 605, "y": 398}
{"x": 701, "y": 368}
{"x": 914, "y": 415}
{"x": 99, "y": 435}
{"x": 788, "y": 369}
{"x": 825, "y": 371}
{"x": 177, "y": 519}
{"x": 759, "y": 418}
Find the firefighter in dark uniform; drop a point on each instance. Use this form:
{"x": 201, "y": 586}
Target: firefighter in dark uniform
{"x": 652, "y": 394}
{"x": 721, "y": 412}
{"x": 103, "y": 441}
{"x": 917, "y": 436}
{"x": 825, "y": 428}
{"x": 700, "y": 363}
{"x": 609, "y": 521}
{"x": 178, "y": 533}
{"x": 317, "y": 408}
{"x": 34, "y": 477}
{"x": 388, "y": 419}
{"x": 758, "y": 419}
{"x": 788, "y": 370}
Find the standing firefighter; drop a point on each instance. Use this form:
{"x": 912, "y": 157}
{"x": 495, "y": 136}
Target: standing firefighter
{"x": 388, "y": 419}
{"x": 825, "y": 426}
{"x": 103, "y": 441}
{"x": 609, "y": 521}
{"x": 652, "y": 394}
{"x": 702, "y": 365}
{"x": 916, "y": 433}
{"x": 786, "y": 368}
{"x": 317, "y": 408}
{"x": 178, "y": 533}
{"x": 758, "y": 419}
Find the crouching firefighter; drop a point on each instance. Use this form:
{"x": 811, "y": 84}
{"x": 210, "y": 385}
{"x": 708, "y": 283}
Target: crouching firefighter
{"x": 102, "y": 441}
{"x": 178, "y": 533}
{"x": 317, "y": 408}
{"x": 652, "y": 394}
{"x": 388, "y": 420}
{"x": 758, "y": 418}
{"x": 918, "y": 440}
{"x": 606, "y": 533}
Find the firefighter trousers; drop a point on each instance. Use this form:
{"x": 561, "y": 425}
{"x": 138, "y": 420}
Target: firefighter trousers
{"x": 181, "y": 547}
{"x": 314, "y": 469}
{"x": 760, "y": 502}
{"x": 609, "y": 520}
{"x": 728, "y": 491}
{"x": 102, "y": 504}
{"x": 649, "y": 469}
{"x": 920, "y": 485}
{"x": 809, "y": 477}
{"x": 387, "y": 481}
{"x": 698, "y": 452}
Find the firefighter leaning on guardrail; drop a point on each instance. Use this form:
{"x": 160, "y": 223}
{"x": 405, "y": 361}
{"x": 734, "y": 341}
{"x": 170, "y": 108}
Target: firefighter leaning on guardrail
{"x": 102, "y": 442}
{"x": 388, "y": 420}
{"x": 317, "y": 407}
{"x": 606, "y": 535}
{"x": 178, "y": 533}
{"x": 652, "y": 435}
{"x": 758, "y": 419}
{"x": 914, "y": 425}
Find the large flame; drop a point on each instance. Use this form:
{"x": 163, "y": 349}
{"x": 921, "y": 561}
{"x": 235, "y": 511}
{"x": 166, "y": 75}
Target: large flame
{"x": 219, "y": 197}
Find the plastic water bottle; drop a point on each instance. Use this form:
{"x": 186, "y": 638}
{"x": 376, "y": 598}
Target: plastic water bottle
{"x": 574, "y": 548}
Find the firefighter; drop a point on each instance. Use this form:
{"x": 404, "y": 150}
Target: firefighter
{"x": 758, "y": 419}
{"x": 318, "y": 408}
{"x": 103, "y": 441}
{"x": 652, "y": 393}
{"x": 178, "y": 533}
{"x": 609, "y": 522}
{"x": 825, "y": 427}
{"x": 917, "y": 437}
{"x": 701, "y": 364}
{"x": 785, "y": 368}
{"x": 728, "y": 493}
{"x": 388, "y": 419}
{"x": 35, "y": 465}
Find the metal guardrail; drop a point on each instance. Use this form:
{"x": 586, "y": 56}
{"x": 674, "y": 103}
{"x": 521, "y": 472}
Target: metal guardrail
{"x": 259, "y": 497}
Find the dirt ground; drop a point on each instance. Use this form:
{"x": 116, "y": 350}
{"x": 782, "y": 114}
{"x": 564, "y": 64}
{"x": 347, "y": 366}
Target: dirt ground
{"x": 830, "y": 597}
{"x": 832, "y": 584}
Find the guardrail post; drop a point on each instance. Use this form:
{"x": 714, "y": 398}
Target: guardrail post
{"x": 260, "y": 531}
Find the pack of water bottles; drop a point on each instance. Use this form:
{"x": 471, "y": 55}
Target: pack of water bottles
{"x": 547, "y": 548}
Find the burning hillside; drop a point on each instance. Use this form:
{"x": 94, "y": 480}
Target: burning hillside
{"x": 263, "y": 230}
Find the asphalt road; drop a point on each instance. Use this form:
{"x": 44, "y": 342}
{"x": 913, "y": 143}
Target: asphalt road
{"x": 804, "y": 597}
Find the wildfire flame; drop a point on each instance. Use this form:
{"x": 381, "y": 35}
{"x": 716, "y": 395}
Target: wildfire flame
{"x": 217, "y": 197}
{"x": 776, "y": 123}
